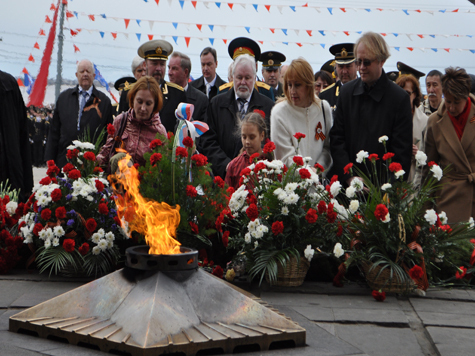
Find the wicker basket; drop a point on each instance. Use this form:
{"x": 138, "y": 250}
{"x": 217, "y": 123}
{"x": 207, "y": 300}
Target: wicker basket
{"x": 293, "y": 274}
{"x": 379, "y": 279}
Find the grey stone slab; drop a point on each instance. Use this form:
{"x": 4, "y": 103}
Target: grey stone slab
{"x": 316, "y": 313}
{"x": 5, "y": 317}
{"x": 443, "y": 306}
{"x": 379, "y": 316}
{"x": 444, "y": 319}
{"x": 453, "y": 341}
{"x": 12, "y": 290}
{"x": 27, "y": 342}
{"x": 377, "y": 341}
{"x": 11, "y": 350}
{"x": 451, "y": 294}
{"x": 292, "y": 299}
{"x": 363, "y": 302}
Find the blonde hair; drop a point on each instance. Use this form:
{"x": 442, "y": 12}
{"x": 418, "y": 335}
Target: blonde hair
{"x": 300, "y": 70}
{"x": 375, "y": 44}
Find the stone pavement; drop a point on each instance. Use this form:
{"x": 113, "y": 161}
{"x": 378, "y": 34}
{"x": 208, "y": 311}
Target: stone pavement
{"x": 338, "y": 321}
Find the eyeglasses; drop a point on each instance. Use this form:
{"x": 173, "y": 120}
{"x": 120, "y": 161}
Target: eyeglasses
{"x": 366, "y": 62}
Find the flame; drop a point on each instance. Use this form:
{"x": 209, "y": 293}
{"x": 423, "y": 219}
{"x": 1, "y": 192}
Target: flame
{"x": 157, "y": 221}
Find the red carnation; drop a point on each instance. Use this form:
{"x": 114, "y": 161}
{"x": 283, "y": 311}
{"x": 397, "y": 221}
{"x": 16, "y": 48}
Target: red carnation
{"x": 89, "y": 156}
{"x": 194, "y": 228}
{"x": 97, "y": 170}
{"x": 37, "y": 228}
{"x": 50, "y": 163}
{"x": 269, "y": 147}
{"x": 462, "y": 271}
{"x": 91, "y": 225}
{"x": 395, "y": 167}
{"x": 339, "y": 232}
{"x": 348, "y": 167}
{"x": 299, "y": 136}
{"x": 52, "y": 171}
{"x": 387, "y": 156}
{"x": 378, "y": 295}
{"x": 117, "y": 220}
{"x": 99, "y": 185}
{"x": 304, "y": 173}
{"x": 260, "y": 112}
{"x": 68, "y": 167}
{"x": 188, "y": 141}
{"x": 259, "y": 166}
{"x": 252, "y": 212}
{"x": 68, "y": 245}
{"x": 230, "y": 190}
{"x": 225, "y": 238}
{"x": 60, "y": 213}
{"x": 46, "y": 214}
{"x": 103, "y": 209}
{"x": 181, "y": 152}
{"x": 200, "y": 160}
{"x": 155, "y": 143}
{"x": 191, "y": 191}
{"x": 218, "y": 271}
{"x": 170, "y": 135}
{"x": 416, "y": 272}
{"x": 84, "y": 248}
{"x": 277, "y": 227}
{"x": 373, "y": 157}
{"x": 110, "y": 130}
{"x": 322, "y": 207}
{"x": 74, "y": 174}
{"x": 331, "y": 214}
{"x": 380, "y": 212}
{"x": 253, "y": 157}
{"x": 71, "y": 154}
{"x": 431, "y": 163}
{"x": 154, "y": 158}
{"x": 45, "y": 181}
{"x": 298, "y": 160}
{"x": 311, "y": 216}
{"x": 56, "y": 194}
{"x": 319, "y": 168}
{"x": 219, "y": 222}
{"x": 219, "y": 181}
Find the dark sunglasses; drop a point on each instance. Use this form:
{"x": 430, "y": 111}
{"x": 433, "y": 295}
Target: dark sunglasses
{"x": 366, "y": 62}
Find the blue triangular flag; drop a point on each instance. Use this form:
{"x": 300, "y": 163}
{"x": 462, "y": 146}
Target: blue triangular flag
{"x": 102, "y": 34}
{"x": 211, "y": 27}
{"x": 255, "y": 6}
{"x": 322, "y": 44}
{"x": 138, "y": 22}
{"x": 175, "y": 39}
{"x": 293, "y": 8}
{"x": 359, "y": 32}
{"x": 248, "y": 29}
{"x": 434, "y": 49}
{"x": 433, "y": 36}
{"x": 395, "y": 34}
{"x": 181, "y": 3}
{"x": 397, "y": 48}
{"x": 100, "y": 78}
{"x": 443, "y": 11}
{"x": 322, "y": 32}
{"x": 211, "y": 40}
{"x": 218, "y": 4}
{"x": 286, "y": 43}
{"x": 138, "y": 36}
{"x": 284, "y": 31}
{"x": 405, "y": 11}
{"x": 75, "y": 13}
{"x": 103, "y": 16}
{"x": 470, "y": 36}
{"x": 472, "y": 50}
{"x": 175, "y": 24}
{"x": 330, "y": 9}
{"x": 369, "y": 10}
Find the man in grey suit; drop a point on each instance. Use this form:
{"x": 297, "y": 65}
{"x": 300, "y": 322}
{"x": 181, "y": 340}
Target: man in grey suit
{"x": 179, "y": 68}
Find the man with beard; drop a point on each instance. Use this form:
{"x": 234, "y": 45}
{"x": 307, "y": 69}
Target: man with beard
{"x": 222, "y": 142}
{"x": 156, "y": 53}
{"x": 345, "y": 69}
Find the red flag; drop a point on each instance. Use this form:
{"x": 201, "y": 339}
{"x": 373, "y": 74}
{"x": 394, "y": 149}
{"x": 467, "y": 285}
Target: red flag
{"x": 37, "y": 46}
{"x": 306, "y": 5}
{"x": 47, "y": 20}
{"x": 20, "y": 82}
{"x": 150, "y": 37}
{"x": 199, "y": 26}
{"x": 42, "y": 32}
{"x": 383, "y": 34}
{"x": 31, "y": 59}
{"x": 69, "y": 14}
{"x": 456, "y": 10}
{"x": 230, "y": 5}
{"x": 447, "y": 49}
{"x": 126, "y": 22}
{"x": 309, "y": 32}
{"x": 187, "y": 40}
{"x": 421, "y": 36}
{"x": 267, "y": 7}
{"x": 194, "y": 4}
{"x": 76, "y": 49}
{"x": 225, "y": 41}
{"x": 25, "y": 70}
{"x": 91, "y": 17}
{"x": 419, "y": 11}
{"x": 74, "y": 33}
{"x": 261, "y": 42}
{"x": 343, "y": 9}
{"x": 410, "y": 49}
{"x": 299, "y": 44}
{"x": 114, "y": 34}
{"x": 346, "y": 33}
{"x": 52, "y": 7}
{"x": 272, "y": 30}
{"x": 157, "y": 1}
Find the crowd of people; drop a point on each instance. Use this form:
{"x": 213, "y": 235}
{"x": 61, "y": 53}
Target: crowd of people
{"x": 340, "y": 112}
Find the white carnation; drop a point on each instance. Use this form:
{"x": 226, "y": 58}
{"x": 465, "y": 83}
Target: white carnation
{"x": 309, "y": 252}
{"x": 361, "y": 155}
{"x": 338, "y": 250}
{"x": 383, "y": 139}
{"x": 335, "y": 188}
{"x": 431, "y": 216}
{"x": 11, "y": 207}
{"x": 386, "y": 186}
{"x": 421, "y": 158}
{"x": 471, "y": 222}
{"x": 354, "y": 205}
{"x": 399, "y": 173}
{"x": 437, "y": 171}
{"x": 443, "y": 217}
{"x": 350, "y": 192}
{"x": 387, "y": 218}
{"x": 357, "y": 184}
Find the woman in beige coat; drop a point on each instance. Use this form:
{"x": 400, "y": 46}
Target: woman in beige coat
{"x": 450, "y": 143}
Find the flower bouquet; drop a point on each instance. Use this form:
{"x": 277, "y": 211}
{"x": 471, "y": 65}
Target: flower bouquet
{"x": 71, "y": 220}
{"x": 279, "y": 213}
{"x": 389, "y": 232}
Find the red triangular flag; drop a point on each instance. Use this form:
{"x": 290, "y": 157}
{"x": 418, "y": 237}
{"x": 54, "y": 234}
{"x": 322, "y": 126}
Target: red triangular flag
{"x": 309, "y": 32}
{"x": 383, "y": 34}
{"x": 267, "y": 7}
{"x": 37, "y": 46}
{"x": 421, "y": 36}
{"x": 379, "y": 9}
{"x": 25, "y": 70}
{"x": 150, "y": 37}
{"x": 73, "y": 33}
{"x": 52, "y": 7}
{"x": 194, "y": 4}
{"x": 343, "y": 9}
{"x": 410, "y": 49}
{"x": 230, "y": 5}
{"x": 76, "y": 49}
{"x": 42, "y": 32}
{"x": 272, "y": 30}
{"x": 456, "y": 10}
{"x": 261, "y": 42}
{"x": 419, "y": 11}
{"x": 187, "y": 40}
{"x": 126, "y": 22}
{"x": 299, "y": 44}
{"x": 157, "y": 1}
{"x": 31, "y": 59}
{"x": 20, "y": 82}
{"x": 447, "y": 49}
{"x": 114, "y": 34}
{"x": 225, "y": 41}
{"x": 69, "y": 14}
{"x": 91, "y": 17}
{"x": 306, "y": 5}
{"x": 48, "y": 20}
{"x": 199, "y": 26}
{"x": 346, "y": 33}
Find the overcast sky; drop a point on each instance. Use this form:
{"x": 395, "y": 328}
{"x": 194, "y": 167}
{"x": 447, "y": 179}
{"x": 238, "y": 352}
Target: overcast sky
{"x": 439, "y": 35}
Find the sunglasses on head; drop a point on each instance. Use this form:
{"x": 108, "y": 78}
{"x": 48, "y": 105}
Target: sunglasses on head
{"x": 366, "y": 62}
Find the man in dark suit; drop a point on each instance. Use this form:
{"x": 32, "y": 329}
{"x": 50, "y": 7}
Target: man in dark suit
{"x": 78, "y": 110}
{"x": 156, "y": 53}
{"x": 222, "y": 142}
{"x": 179, "y": 68}
{"x": 271, "y": 63}
{"x": 209, "y": 82}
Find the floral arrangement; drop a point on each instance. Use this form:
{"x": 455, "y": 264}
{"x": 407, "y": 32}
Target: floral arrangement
{"x": 177, "y": 175}
{"x": 389, "y": 229}
{"x": 71, "y": 219}
{"x": 279, "y": 212}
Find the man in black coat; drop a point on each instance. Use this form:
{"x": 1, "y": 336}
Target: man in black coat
{"x": 15, "y": 155}
{"x": 221, "y": 143}
{"x": 368, "y": 108}
{"x": 78, "y": 110}
{"x": 209, "y": 82}
{"x": 179, "y": 68}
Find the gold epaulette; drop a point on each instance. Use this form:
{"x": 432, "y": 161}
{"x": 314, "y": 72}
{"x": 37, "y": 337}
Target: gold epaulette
{"x": 173, "y": 85}
{"x": 128, "y": 86}
{"x": 263, "y": 85}
{"x": 328, "y": 87}
{"x": 226, "y": 86}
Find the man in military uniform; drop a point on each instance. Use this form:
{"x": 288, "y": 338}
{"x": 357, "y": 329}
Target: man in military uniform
{"x": 345, "y": 69}
{"x": 156, "y": 53}
{"x": 271, "y": 63}
{"x": 244, "y": 45}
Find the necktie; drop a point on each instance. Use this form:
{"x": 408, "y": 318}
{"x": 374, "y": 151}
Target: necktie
{"x": 82, "y": 103}
{"x": 208, "y": 87}
{"x": 242, "y": 107}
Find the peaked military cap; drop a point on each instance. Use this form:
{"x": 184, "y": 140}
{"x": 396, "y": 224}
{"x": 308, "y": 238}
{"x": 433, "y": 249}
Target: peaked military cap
{"x": 155, "y": 49}
{"x": 404, "y": 69}
{"x": 272, "y": 60}
{"x": 244, "y": 45}
{"x": 121, "y": 83}
{"x": 343, "y": 52}
{"x": 329, "y": 66}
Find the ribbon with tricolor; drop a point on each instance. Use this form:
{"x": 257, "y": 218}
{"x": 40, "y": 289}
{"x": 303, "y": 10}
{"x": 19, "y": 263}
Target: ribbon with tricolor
{"x": 191, "y": 128}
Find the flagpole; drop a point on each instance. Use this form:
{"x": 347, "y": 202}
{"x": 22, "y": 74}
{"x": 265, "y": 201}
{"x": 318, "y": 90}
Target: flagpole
{"x": 59, "y": 69}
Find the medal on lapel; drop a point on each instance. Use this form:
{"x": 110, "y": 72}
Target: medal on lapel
{"x": 319, "y": 132}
